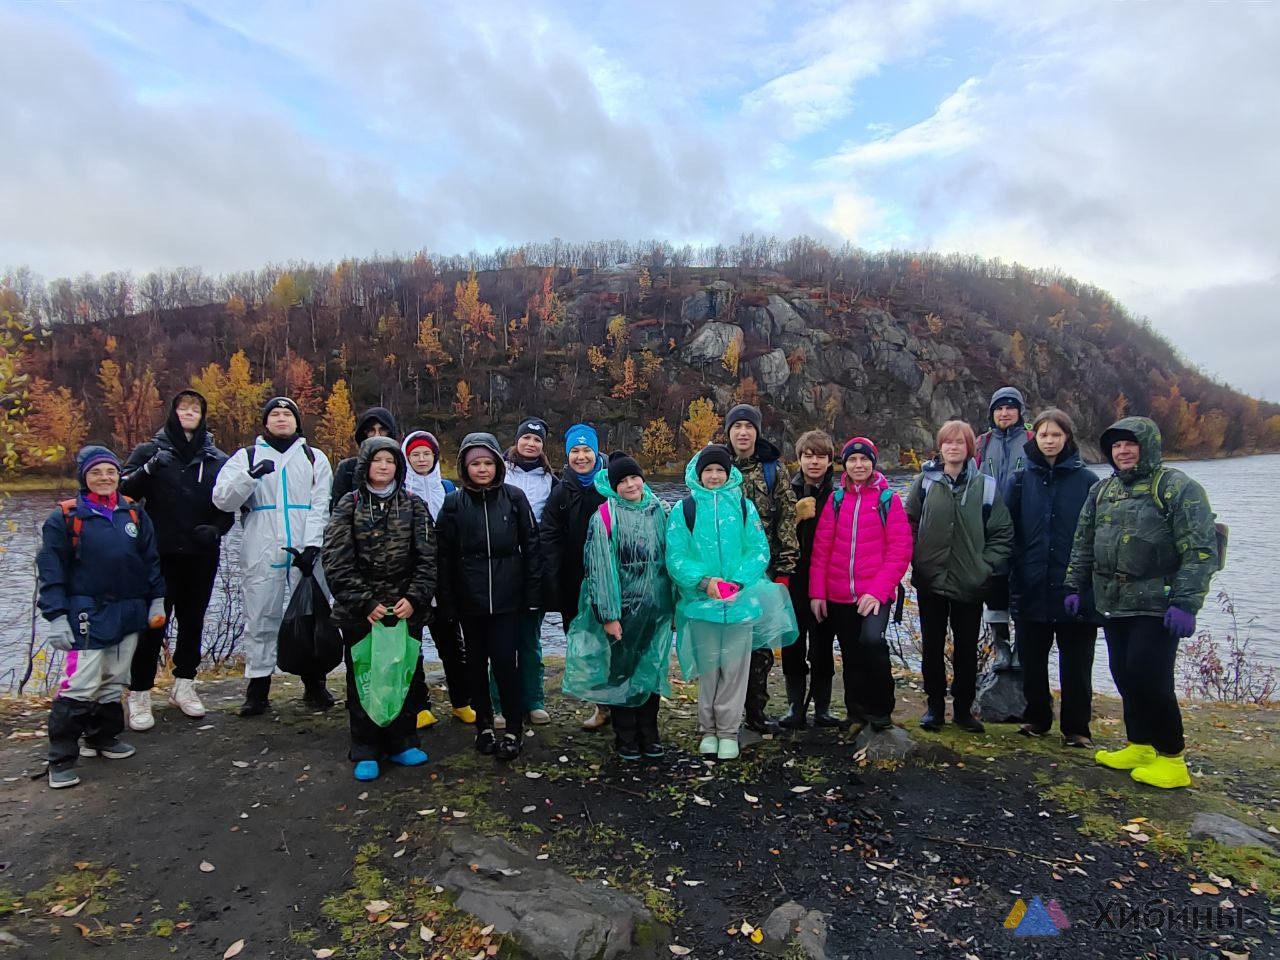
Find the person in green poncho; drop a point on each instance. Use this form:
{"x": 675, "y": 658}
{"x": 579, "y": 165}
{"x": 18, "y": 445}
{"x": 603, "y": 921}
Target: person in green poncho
{"x": 717, "y": 554}
{"x": 619, "y": 644}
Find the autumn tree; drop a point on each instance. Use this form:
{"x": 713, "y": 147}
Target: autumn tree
{"x": 733, "y": 356}
{"x": 235, "y": 400}
{"x": 1018, "y": 349}
{"x": 474, "y": 316}
{"x": 700, "y": 424}
{"x": 748, "y": 391}
{"x": 337, "y": 426}
{"x": 462, "y": 403}
{"x": 431, "y": 350}
{"x": 301, "y": 386}
{"x": 131, "y": 400}
{"x": 57, "y": 426}
{"x": 545, "y": 311}
{"x": 15, "y": 335}
{"x": 657, "y": 444}
{"x": 625, "y": 388}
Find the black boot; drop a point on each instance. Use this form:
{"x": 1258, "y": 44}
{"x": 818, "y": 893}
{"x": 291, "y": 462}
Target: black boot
{"x": 315, "y": 694}
{"x": 962, "y": 716}
{"x": 822, "y": 715}
{"x": 794, "y": 718}
{"x": 626, "y": 739}
{"x": 935, "y": 715}
{"x": 757, "y": 721}
{"x": 650, "y": 739}
{"x": 255, "y": 697}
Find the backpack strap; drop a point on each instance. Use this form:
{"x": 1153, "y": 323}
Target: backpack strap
{"x": 690, "y": 510}
{"x": 770, "y": 474}
{"x": 606, "y": 518}
{"x": 883, "y": 505}
{"x": 988, "y": 497}
{"x": 837, "y": 498}
{"x": 74, "y": 523}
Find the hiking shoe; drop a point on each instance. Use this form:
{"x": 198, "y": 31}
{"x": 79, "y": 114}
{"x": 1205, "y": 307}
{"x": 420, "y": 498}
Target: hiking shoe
{"x": 317, "y": 696}
{"x": 184, "y": 697}
{"x": 465, "y": 714}
{"x": 63, "y": 778}
{"x": 880, "y": 724}
{"x": 539, "y": 717}
{"x": 597, "y": 719}
{"x": 1078, "y": 740}
{"x": 486, "y": 743}
{"x": 413, "y": 757}
{"x": 138, "y": 706}
{"x": 508, "y": 747}
{"x": 763, "y": 724}
{"x": 117, "y": 749}
{"x": 654, "y": 750}
{"x": 425, "y": 719}
{"x": 934, "y": 719}
{"x": 967, "y": 721}
{"x": 499, "y": 722}
{"x": 727, "y": 749}
{"x": 1129, "y": 758}
{"x": 709, "y": 746}
{"x": 1168, "y": 773}
{"x": 628, "y": 751}
{"x": 1031, "y": 730}
{"x": 367, "y": 770}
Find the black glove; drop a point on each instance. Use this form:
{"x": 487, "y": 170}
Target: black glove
{"x": 262, "y": 468}
{"x": 163, "y": 457}
{"x": 305, "y": 559}
{"x": 206, "y": 536}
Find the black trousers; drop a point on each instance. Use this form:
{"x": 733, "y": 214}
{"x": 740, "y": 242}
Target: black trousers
{"x": 1141, "y": 652}
{"x": 368, "y": 740}
{"x": 868, "y": 678}
{"x": 447, "y": 637}
{"x": 69, "y": 720}
{"x": 188, "y": 584}
{"x": 758, "y": 681}
{"x": 636, "y": 726}
{"x": 492, "y": 639}
{"x": 965, "y": 620}
{"x": 813, "y": 650}
{"x": 1076, "y": 643}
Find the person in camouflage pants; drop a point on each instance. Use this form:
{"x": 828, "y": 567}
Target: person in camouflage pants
{"x": 1146, "y": 546}
{"x": 766, "y": 483}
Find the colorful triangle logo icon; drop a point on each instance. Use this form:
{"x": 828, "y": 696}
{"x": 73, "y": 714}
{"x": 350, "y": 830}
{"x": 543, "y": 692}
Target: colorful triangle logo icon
{"x": 1036, "y": 922}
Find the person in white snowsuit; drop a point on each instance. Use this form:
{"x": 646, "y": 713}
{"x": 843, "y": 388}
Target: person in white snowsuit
{"x": 280, "y": 485}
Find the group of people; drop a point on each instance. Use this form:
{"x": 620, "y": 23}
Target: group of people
{"x": 752, "y": 560}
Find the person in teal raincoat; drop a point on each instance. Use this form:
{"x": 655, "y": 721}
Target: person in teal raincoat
{"x": 619, "y": 644}
{"x": 718, "y": 554}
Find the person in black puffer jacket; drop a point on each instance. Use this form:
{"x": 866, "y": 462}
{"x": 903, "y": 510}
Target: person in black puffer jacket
{"x": 173, "y": 475}
{"x": 374, "y": 422}
{"x": 490, "y": 567}
{"x": 1045, "y": 498}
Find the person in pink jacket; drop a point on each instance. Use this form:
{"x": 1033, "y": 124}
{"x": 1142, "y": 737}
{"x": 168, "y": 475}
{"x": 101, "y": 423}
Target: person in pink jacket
{"x": 860, "y": 554}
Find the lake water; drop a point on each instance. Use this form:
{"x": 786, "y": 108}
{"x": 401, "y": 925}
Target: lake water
{"x": 1238, "y": 489}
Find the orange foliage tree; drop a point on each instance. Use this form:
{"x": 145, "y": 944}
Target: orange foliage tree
{"x": 462, "y": 405}
{"x": 474, "y": 316}
{"x": 57, "y": 426}
{"x": 235, "y": 399}
{"x": 701, "y": 424}
{"x": 657, "y": 444}
{"x": 301, "y": 386}
{"x": 131, "y": 400}
{"x": 337, "y": 426}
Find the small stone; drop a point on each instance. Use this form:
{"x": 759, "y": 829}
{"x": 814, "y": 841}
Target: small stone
{"x": 793, "y": 923}
{"x": 892, "y": 744}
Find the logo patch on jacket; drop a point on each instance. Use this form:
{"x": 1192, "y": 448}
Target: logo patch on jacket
{"x": 131, "y": 529}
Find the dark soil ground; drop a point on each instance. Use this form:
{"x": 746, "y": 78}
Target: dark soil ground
{"x": 920, "y": 859}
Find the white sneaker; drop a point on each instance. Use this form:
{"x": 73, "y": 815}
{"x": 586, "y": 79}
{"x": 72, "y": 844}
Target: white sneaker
{"x": 539, "y": 717}
{"x": 184, "y": 697}
{"x": 499, "y": 722}
{"x": 139, "y": 704}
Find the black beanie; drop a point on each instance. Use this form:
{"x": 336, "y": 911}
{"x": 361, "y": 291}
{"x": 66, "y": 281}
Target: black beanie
{"x": 275, "y": 403}
{"x": 714, "y": 453}
{"x": 745, "y": 411}
{"x": 535, "y": 425}
{"x": 622, "y": 466}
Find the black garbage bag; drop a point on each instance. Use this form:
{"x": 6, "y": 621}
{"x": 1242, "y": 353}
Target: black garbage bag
{"x": 308, "y": 643}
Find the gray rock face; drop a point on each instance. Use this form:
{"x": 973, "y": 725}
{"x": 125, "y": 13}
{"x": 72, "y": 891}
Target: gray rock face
{"x": 709, "y": 344}
{"x": 773, "y": 371}
{"x": 793, "y": 923}
{"x": 1231, "y": 832}
{"x": 551, "y": 916}
{"x": 892, "y": 744}
{"x": 1000, "y": 698}
{"x": 708, "y": 304}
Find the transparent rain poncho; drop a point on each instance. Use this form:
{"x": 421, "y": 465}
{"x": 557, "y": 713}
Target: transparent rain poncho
{"x": 626, "y": 580}
{"x": 727, "y": 541}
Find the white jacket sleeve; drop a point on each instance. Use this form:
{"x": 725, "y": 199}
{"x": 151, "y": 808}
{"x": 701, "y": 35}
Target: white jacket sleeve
{"x": 234, "y": 485}
{"x": 321, "y": 488}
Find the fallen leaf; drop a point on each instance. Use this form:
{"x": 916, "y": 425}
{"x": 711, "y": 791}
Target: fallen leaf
{"x": 1220, "y": 881}
{"x": 746, "y": 928}
{"x": 322, "y": 953}
{"x": 426, "y": 813}
{"x": 234, "y": 949}
{"x": 403, "y": 837}
{"x": 542, "y": 856}
{"x": 206, "y": 867}
{"x": 564, "y": 759}
{"x": 426, "y": 933}
{"x": 533, "y": 774}
{"x": 801, "y": 789}
{"x": 397, "y": 924}
{"x": 1141, "y": 837}
{"x": 1202, "y": 887}
{"x": 399, "y": 853}
{"x": 530, "y": 808}
{"x": 1131, "y": 828}
{"x": 76, "y": 909}
{"x": 363, "y": 796}
{"x": 376, "y": 906}
{"x": 678, "y": 950}
{"x": 487, "y": 930}
{"x": 750, "y": 799}
{"x": 757, "y": 935}
{"x": 239, "y": 763}
{"x": 85, "y": 931}
{"x": 458, "y": 814}
{"x": 209, "y": 726}
{"x": 701, "y": 801}
{"x": 693, "y": 883}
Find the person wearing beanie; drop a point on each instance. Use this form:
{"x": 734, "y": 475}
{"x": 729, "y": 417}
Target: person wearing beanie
{"x": 99, "y": 586}
{"x": 618, "y": 646}
{"x": 562, "y": 530}
{"x": 766, "y": 483}
{"x": 861, "y": 551}
{"x": 173, "y": 474}
{"x": 423, "y": 479}
{"x": 528, "y": 468}
{"x": 280, "y": 485}
{"x": 490, "y": 580}
{"x": 374, "y": 422}
{"x": 718, "y": 557}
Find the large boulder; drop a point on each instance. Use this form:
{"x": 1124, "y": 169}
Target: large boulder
{"x": 772, "y": 371}
{"x": 1000, "y": 698}
{"x": 551, "y": 916}
{"x": 709, "y": 344}
{"x": 712, "y": 302}
{"x": 1231, "y": 832}
{"x": 793, "y": 926}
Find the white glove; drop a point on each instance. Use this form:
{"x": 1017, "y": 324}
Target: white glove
{"x": 60, "y": 634}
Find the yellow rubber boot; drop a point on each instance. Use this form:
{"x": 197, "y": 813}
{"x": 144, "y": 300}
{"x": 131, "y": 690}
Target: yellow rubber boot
{"x": 1166, "y": 772}
{"x": 465, "y": 714}
{"x": 425, "y": 718}
{"x": 1133, "y": 756}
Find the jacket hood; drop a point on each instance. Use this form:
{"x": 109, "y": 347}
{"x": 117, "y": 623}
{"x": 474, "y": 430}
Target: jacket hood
{"x": 799, "y": 481}
{"x": 933, "y": 469}
{"x": 489, "y": 442}
{"x": 612, "y": 495}
{"x": 765, "y": 450}
{"x": 877, "y": 482}
{"x": 1148, "y": 436}
{"x": 379, "y": 415}
{"x": 371, "y": 446}
{"x": 1068, "y": 459}
{"x": 733, "y": 484}
{"x": 1006, "y": 393}
{"x": 176, "y": 438}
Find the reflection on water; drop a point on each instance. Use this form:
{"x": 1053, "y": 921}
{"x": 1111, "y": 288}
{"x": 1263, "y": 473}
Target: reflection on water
{"x": 1238, "y": 489}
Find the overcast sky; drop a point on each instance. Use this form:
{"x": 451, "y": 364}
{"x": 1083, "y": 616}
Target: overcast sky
{"x": 1132, "y": 144}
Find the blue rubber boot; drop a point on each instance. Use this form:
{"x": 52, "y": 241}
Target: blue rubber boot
{"x": 413, "y": 757}
{"x": 367, "y": 770}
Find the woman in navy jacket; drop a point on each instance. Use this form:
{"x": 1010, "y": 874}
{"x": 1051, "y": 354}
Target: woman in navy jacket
{"x": 1045, "y": 497}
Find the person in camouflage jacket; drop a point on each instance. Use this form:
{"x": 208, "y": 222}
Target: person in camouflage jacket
{"x": 760, "y": 462}
{"x": 1145, "y": 544}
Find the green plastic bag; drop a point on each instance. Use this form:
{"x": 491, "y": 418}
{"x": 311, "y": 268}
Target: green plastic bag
{"x": 384, "y": 664}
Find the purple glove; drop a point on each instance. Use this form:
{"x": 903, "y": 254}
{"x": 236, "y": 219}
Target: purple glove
{"x": 1071, "y": 604}
{"x": 1179, "y": 623}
